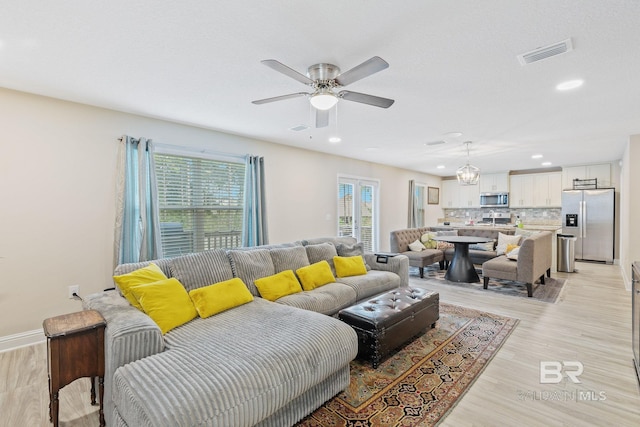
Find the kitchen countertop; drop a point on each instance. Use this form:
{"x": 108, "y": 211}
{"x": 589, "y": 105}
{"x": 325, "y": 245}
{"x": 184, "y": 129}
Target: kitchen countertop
{"x": 541, "y": 227}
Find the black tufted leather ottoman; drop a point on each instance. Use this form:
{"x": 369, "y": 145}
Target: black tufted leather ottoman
{"x": 388, "y": 320}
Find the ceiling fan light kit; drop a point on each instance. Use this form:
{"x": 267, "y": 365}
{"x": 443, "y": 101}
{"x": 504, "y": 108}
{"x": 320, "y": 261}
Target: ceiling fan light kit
{"x": 468, "y": 174}
{"x": 323, "y": 78}
{"x": 324, "y": 100}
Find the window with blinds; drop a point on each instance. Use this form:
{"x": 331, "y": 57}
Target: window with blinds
{"x": 420, "y": 205}
{"x": 200, "y": 203}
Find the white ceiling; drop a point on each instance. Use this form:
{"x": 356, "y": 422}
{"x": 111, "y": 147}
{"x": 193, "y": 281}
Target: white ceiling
{"x": 453, "y": 67}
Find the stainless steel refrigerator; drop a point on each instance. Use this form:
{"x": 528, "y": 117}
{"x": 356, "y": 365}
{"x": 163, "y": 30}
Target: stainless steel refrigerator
{"x": 589, "y": 216}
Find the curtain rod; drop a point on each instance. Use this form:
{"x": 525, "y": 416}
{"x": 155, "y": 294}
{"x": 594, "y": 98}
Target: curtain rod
{"x": 177, "y": 149}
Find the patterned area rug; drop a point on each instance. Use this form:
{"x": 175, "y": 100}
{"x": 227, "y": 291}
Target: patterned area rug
{"x": 549, "y": 292}
{"x": 418, "y": 384}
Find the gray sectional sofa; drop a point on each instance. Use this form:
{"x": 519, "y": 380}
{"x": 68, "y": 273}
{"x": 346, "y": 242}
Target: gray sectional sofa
{"x": 262, "y": 363}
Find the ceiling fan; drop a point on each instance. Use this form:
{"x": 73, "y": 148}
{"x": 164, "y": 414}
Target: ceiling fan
{"x": 324, "y": 78}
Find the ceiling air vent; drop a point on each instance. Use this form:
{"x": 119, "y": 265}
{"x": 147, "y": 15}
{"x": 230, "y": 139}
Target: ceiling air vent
{"x": 545, "y": 52}
{"x": 432, "y": 143}
{"x": 299, "y": 128}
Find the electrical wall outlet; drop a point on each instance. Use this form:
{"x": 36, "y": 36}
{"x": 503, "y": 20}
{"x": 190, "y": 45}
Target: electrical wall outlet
{"x": 74, "y": 289}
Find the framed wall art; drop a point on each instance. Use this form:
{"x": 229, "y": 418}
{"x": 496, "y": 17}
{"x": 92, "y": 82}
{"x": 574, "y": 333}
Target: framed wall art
{"x": 433, "y": 195}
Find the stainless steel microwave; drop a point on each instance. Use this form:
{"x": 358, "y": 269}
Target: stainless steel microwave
{"x": 494, "y": 200}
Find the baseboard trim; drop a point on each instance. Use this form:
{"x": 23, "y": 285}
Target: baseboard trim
{"x": 23, "y": 339}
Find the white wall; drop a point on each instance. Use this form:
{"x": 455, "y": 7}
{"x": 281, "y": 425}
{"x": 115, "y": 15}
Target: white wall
{"x": 57, "y": 181}
{"x": 630, "y": 208}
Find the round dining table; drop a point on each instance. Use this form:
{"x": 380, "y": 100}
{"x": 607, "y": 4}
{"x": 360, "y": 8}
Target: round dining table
{"x": 461, "y": 269}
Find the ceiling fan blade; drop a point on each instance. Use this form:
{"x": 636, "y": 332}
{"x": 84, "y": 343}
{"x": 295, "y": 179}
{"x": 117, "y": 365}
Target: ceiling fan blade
{"x": 322, "y": 118}
{"x": 279, "y": 98}
{"x": 280, "y": 67}
{"x": 368, "y": 67}
{"x": 363, "y": 98}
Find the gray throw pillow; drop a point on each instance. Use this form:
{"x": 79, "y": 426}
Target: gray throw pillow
{"x": 322, "y": 252}
{"x": 289, "y": 258}
{"x": 251, "y": 265}
{"x": 350, "y": 250}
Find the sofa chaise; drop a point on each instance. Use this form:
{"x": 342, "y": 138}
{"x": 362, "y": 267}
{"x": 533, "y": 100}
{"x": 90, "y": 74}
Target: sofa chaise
{"x": 266, "y": 363}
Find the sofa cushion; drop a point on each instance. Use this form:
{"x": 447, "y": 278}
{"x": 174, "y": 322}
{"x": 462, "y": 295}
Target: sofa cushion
{"x": 201, "y": 269}
{"x": 198, "y": 381}
{"x": 335, "y": 241}
{"x": 500, "y": 267}
{"x": 289, "y": 258}
{"x": 344, "y": 249}
{"x": 417, "y": 246}
{"x": 349, "y": 266}
{"x": 504, "y": 240}
{"x": 166, "y": 302}
{"x": 512, "y": 253}
{"x": 424, "y": 258}
{"x": 251, "y": 265}
{"x": 327, "y": 299}
{"x": 216, "y": 298}
{"x": 148, "y": 274}
{"x": 487, "y": 246}
{"x": 164, "y": 264}
{"x": 279, "y": 285}
{"x": 315, "y": 275}
{"x": 322, "y": 252}
{"x": 372, "y": 283}
{"x": 428, "y": 241}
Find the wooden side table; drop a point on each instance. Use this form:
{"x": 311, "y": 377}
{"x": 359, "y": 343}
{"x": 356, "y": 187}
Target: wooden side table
{"x": 75, "y": 349}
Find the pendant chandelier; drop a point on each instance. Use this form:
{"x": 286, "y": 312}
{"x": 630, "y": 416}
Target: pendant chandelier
{"x": 468, "y": 174}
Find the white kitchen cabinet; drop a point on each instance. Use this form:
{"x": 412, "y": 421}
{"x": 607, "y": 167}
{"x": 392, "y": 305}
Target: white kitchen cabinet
{"x": 450, "y": 194}
{"x": 600, "y": 171}
{"x": 494, "y": 183}
{"x": 469, "y": 196}
{"x": 547, "y": 189}
{"x": 455, "y": 195}
{"x": 521, "y": 194}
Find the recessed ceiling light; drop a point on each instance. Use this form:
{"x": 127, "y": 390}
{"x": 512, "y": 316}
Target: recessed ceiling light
{"x": 570, "y": 84}
{"x": 453, "y": 134}
{"x": 435, "y": 143}
{"x": 335, "y": 139}
{"x": 440, "y": 167}
{"x": 537, "y": 156}
{"x": 546, "y": 164}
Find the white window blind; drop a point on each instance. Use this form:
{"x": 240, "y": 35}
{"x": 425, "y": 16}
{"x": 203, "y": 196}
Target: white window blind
{"x": 200, "y": 202}
{"x": 358, "y": 211}
{"x": 420, "y": 205}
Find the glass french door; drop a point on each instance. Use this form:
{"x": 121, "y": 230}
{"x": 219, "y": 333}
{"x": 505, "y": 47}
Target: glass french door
{"x": 358, "y": 211}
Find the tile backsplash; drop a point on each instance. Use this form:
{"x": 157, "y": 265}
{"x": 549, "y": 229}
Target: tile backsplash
{"x": 531, "y": 216}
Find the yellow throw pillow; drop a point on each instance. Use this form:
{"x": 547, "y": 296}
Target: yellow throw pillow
{"x": 349, "y": 266}
{"x": 510, "y": 247}
{"x": 277, "y": 286}
{"x": 166, "y": 302}
{"x": 219, "y": 297}
{"x": 315, "y": 275}
{"x": 149, "y": 274}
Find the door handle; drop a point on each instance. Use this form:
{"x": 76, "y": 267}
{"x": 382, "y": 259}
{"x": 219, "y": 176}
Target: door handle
{"x": 583, "y": 227}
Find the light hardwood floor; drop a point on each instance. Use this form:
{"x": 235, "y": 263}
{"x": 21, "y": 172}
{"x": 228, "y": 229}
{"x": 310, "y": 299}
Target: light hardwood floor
{"x": 591, "y": 324}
